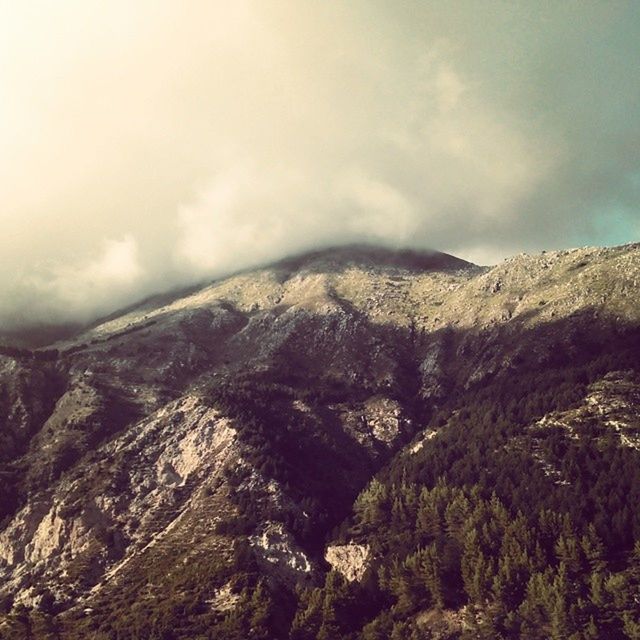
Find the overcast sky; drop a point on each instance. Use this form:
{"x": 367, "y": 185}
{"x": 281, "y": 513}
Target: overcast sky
{"x": 149, "y": 143}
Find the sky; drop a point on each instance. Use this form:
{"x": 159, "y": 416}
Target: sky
{"x": 148, "y": 144}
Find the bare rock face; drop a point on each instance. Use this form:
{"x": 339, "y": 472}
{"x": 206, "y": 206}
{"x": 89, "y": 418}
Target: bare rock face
{"x": 98, "y": 517}
{"x": 432, "y": 370}
{"x": 224, "y": 599}
{"x": 384, "y": 417}
{"x": 276, "y": 547}
{"x": 351, "y": 560}
{"x": 378, "y": 424}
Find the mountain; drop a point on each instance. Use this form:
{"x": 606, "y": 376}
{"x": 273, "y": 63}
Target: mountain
{"x": 351, "y": 443}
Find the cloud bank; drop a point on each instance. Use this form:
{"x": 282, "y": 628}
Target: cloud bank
{"x": 148, "y": 145}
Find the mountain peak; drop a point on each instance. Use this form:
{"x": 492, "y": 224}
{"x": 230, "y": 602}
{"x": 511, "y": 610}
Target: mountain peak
{"x": 337, "y": 258}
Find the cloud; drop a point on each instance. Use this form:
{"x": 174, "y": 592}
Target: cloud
{"x": 252, "y": 214}
{"x": 82, "y": 290}
{"x": 444, "y": 160}
{"x": 148, "y": 145}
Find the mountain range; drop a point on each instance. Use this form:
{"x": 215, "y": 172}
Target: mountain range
{"x": 351, "y": 443}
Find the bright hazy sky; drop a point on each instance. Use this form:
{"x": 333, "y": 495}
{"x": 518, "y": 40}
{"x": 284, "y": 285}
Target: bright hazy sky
{"x": 149, "y": 143}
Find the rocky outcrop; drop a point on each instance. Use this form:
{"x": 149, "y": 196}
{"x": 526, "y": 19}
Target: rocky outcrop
{"x": 384, "y": 418}
{"x": 351, "y": 560}
{"x": 93, "y": 521}
{"x": 224, "y": 599}
{"x": 277, "y": 549}
{"x": 377, "y": 424}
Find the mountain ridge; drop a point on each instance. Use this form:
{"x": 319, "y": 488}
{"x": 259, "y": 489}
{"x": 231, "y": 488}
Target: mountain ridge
{"x": 227, "y": 443}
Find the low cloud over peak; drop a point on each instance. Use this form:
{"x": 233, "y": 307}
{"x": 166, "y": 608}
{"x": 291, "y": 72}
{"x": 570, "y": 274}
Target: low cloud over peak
{"x": 149, "y": 145}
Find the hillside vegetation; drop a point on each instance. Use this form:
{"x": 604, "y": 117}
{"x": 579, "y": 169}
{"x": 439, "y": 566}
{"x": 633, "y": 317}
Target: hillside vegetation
{"x": 350, "y": 444}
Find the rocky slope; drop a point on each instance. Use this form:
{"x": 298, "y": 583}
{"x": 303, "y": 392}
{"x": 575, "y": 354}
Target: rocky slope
{"x": 155, "y": 459}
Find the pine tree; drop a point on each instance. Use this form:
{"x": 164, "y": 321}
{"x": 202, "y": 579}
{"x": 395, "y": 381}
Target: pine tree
{"x": 593, "y": 549}
{"x": 476, "y": 569}
{"x": 534, "y": 610}
{"x": 260, "y": 607}
{"x": 403, "y": 588}
{"x": 558, "y": 611}
{"x": 568, "y": 553}
{"x": 431, "y": 574}
{"x": 308, "y": 617}
{"x": 457, "y": 516}
{"x": 371, "y": 506}
{"x": 428, "y": 523}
